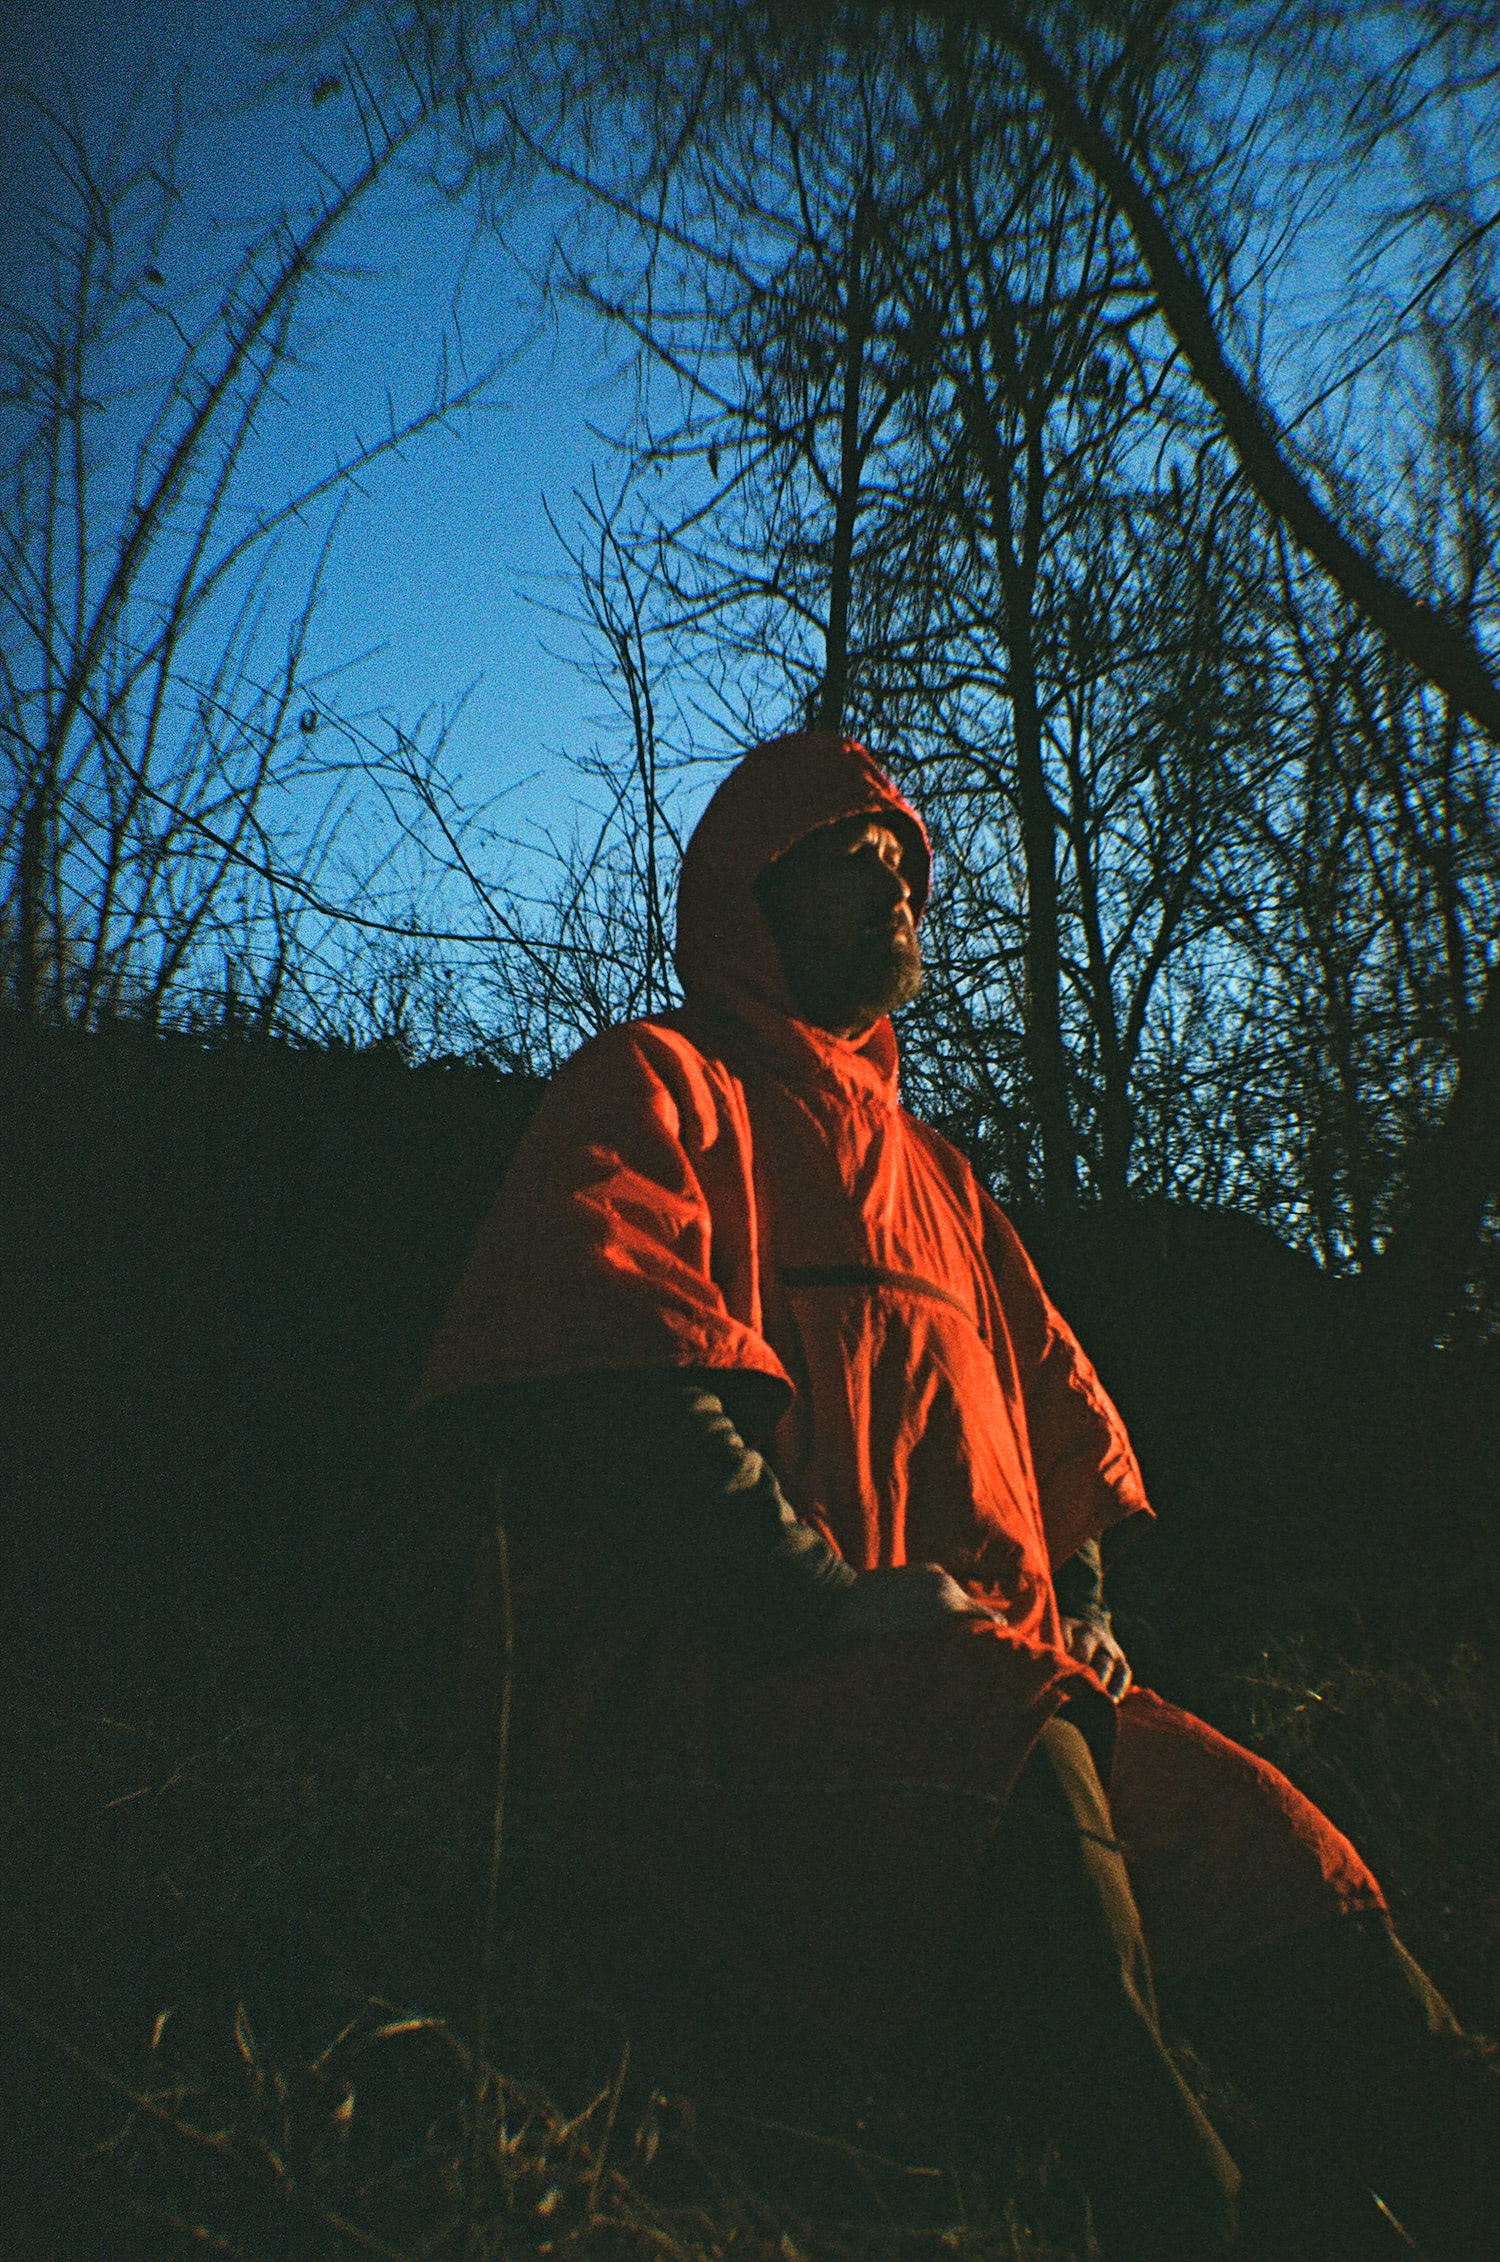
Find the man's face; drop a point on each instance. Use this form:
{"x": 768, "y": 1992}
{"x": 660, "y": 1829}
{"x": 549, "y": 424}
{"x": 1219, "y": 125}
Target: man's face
{"x": 839, "y": 907}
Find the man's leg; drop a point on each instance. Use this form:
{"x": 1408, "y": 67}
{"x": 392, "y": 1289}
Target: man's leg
{"x": 1364, "y": 2080}
{"x": 1060, "y": 2007}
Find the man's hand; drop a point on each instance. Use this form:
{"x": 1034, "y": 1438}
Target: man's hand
{"x": 910, "y": 1600}
{"x": 1098, "y": 1649}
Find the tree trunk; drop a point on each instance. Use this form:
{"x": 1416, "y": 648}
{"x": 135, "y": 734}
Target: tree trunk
{"x": 1044, "y": 1033}
{"x": 28, "y": 939}
{"x": 1427, "y": 1259}
{"x": 834, "y": 690}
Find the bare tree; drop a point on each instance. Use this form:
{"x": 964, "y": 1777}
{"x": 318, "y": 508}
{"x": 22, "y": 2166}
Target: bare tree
{"x": 614, "y": 593}
{"x": 171, "y": 790}
{"x": 528, "y": 944}
{"x": 1395, "y": 75}
{"x": 1419, "y": 630}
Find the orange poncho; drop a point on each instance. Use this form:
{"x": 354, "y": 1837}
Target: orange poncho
{"x": 727, "y": 1188}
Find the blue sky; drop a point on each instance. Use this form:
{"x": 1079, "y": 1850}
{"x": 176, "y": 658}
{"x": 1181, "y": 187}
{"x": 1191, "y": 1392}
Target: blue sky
{"x": 437, "y": 557}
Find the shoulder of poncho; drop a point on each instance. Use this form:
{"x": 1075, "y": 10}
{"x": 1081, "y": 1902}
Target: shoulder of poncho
{"x": 952, "y": 1161}
{"x": 661, "y": 1042}
{"x": 642, "y": 1074}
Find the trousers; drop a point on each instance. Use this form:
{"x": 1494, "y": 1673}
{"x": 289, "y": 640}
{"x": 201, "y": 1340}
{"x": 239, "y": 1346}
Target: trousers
{"x": 1377, "y": 2115}
{"x": 1058, "y": 1984}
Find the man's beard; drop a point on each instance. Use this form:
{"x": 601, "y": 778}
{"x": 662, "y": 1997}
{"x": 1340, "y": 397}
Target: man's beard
{"x": 882, "y": 972}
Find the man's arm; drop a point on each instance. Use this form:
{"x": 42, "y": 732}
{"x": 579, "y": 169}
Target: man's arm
{"x": 654, "y": 1460}
{"x": 1087, "y": 1630}
{"x": 1079, "y": 1586}
{"x": 657, "y": 1460}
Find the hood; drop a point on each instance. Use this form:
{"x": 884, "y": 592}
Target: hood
{"x": 778, "y": 793}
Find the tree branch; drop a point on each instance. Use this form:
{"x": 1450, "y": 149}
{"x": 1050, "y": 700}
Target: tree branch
{"x": 1440, "y": 652}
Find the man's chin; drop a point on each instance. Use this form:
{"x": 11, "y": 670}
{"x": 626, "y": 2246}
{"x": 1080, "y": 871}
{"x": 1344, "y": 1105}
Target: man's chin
{"x": 912, "y": 978}
{"x": 858, "y": 994}
{"x": 895, "y": 982}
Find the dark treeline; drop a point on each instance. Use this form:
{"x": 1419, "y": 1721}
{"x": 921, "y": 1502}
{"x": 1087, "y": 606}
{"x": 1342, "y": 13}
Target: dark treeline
{"x": 221, "y": 1268}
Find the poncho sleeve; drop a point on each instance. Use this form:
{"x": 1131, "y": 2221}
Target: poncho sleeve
{"x": 624, "y": 1234}
{"x": 1088, "y": 1478}
{"x": 615, "y": 1271}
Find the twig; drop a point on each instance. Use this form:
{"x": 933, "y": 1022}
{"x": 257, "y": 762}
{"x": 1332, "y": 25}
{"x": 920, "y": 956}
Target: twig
{"x": 365, "y": 2240}
{"x": 567, "y": 2130}
{"x": 492, "y": 1888}
{"x": 1399, "y": 2228}
{"x": 854, "y": 2153}
{"x": 216, "y": 2140}
{"x": 609, "y": 2130}
{"x": 200, "y": 2233}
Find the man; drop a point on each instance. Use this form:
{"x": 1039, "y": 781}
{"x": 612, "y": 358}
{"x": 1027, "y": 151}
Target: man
{"x": 807, "y": 1481}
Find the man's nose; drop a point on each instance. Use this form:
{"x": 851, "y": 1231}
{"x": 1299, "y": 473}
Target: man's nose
{"x": 897, "y": 887}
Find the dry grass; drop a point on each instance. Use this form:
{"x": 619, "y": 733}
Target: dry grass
{"x": 392, "y": 2141}
{"x": 241, "y": 2018}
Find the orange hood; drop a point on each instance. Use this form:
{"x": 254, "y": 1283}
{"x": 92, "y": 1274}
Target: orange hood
{"x": 772, "y": 798}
